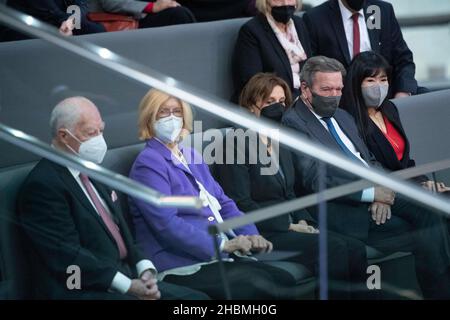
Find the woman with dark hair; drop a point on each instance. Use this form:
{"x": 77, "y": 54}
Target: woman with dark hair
{"x": 364, "y": 96}
{"x": 262, "y": 174}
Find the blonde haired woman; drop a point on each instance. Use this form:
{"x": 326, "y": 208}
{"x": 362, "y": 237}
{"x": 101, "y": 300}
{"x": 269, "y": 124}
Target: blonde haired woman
{"x": 276, "y": 40}
{"x": 177, "y": 240}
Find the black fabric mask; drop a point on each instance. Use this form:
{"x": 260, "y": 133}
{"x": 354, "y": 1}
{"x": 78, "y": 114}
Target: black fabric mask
{"x": 325, "y": 106}
{"x": 356, "y": 4}
{"x": 273, "y": 112}
{"x": 283, "y": 14}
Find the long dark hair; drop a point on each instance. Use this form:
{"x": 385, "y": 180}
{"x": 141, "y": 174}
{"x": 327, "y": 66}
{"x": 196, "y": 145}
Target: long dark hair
{"x": 364, "y": 65}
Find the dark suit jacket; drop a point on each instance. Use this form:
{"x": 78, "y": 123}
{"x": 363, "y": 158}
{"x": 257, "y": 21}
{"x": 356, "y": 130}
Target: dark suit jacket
{"x": 381, "y": 147}
{"x": 54, "y": 12}
{"x": 303, "y": 120}
{"x": 62, "y": 228}
{"x": 244, "y": 183}
{"x": 258, "y": 50}
{"x": 327, "y": 34}
{"x": 353, "y": 222}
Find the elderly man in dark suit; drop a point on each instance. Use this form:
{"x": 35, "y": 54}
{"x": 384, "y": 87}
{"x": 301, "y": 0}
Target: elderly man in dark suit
{"x": 374, "y": 215}
{"x": 341, "y": 29}
{"x": 73, "y": 222}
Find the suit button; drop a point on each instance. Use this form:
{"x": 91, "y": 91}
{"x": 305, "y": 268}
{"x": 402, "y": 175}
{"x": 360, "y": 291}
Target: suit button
{"x": 210, "y": 218}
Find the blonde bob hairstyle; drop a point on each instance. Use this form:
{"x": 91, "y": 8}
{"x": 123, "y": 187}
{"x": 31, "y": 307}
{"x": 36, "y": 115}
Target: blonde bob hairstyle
{"x": 148, "y": 110}
{"x": 263, "y": 6}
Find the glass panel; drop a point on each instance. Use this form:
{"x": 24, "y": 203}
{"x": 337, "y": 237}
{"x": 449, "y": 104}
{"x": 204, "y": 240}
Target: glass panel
{"x": 30, "y": 89}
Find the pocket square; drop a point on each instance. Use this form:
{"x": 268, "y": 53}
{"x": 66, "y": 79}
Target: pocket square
{"x": 113, "y": 196}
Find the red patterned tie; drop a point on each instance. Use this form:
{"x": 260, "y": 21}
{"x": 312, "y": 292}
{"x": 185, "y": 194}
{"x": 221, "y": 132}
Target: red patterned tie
{"x": 356, "y": 35}
{"x": 110, "y": 224}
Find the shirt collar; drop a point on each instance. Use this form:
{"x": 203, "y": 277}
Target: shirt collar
{"x": 347, "y": 14}
{"x": 162, "y": 148}
{"x": 274, "y": 26}
{"x": 316, "y": 115}
{"x": 73, "y": 172}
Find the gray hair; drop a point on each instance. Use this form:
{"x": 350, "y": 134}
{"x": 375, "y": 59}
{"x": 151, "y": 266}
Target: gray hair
{"x": 320, "y": 64}
{"x": 67, "y": 113}
{"x": 264, "y": 7}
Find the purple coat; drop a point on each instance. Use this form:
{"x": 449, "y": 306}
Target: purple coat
{"x": 174, "y": 238}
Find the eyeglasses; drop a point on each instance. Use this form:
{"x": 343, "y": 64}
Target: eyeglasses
{"x": 162, "y": 113}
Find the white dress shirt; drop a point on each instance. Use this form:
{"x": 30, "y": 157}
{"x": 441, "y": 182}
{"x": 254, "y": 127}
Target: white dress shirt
{"x": 120, "y": 282}
{"x": 348, "y": 27}
{"x": 368, "y": 195}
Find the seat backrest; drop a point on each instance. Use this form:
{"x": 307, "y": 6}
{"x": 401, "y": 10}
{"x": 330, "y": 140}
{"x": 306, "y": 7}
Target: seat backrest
{"x": 425, "y": 118}
{"x": 120, "y": 161}
{"x": 14, "y": 269}
{"x": 426, "y": 122}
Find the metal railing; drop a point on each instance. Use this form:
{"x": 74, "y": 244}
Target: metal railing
{"x": 117, "y": 181}
{"x": 325, "y": 195}
{"x": 424, "y": 21}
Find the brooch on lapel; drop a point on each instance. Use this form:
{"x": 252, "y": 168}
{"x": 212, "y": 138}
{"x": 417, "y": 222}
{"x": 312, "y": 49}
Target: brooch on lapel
{"x": 114, "y": 196}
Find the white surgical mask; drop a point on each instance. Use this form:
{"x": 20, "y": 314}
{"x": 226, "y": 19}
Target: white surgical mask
{"x": 374, "y": 95}
{"x": 93, "y": 149}
{"x": 169, "y": 128}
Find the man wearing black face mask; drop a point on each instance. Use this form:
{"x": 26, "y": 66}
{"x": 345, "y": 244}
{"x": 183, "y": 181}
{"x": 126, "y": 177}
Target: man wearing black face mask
{"x": 274, "y": 41}
{"x": 376, "y": 215}
{"x": 341, "y": 29}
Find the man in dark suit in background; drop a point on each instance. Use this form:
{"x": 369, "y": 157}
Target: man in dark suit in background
{"x": 394, "y": 223}
{"x": 341, "y": 29}
{"x": 71, "y": 221}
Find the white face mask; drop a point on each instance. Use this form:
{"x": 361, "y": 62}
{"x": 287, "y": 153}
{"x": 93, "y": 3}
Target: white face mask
{"x": 169, "y": 128}
{"x": 93, "y": 149}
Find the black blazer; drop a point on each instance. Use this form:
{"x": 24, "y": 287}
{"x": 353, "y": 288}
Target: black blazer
{"x": 244, "y": 183}
{"x": 381, "y": 147}
{"x": 258, "y": 50}
{"x": 303, "y": 120}
{"x": 327, "y": 34}
{"x": 62, "y": 228}
{"x": 353, "y": 222}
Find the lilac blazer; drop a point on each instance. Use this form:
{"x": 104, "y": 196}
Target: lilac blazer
{"x": 174, "y": 238}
